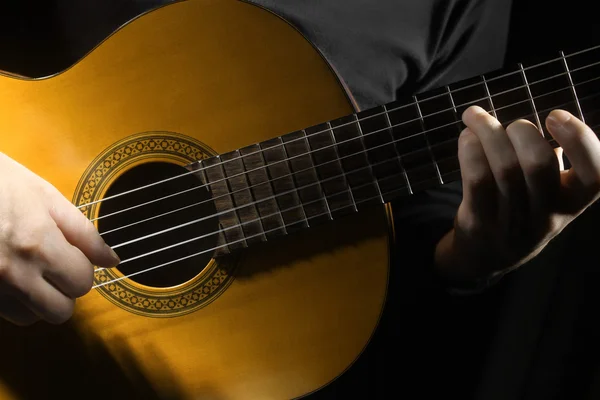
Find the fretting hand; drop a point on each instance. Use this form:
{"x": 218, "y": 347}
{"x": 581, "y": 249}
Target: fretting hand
{"x": 47, "y": 248}
{"x": 516, "y": 198}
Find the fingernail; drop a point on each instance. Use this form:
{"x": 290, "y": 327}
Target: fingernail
{"x": 559, "y": 120}
{"x": 114, "y": 256}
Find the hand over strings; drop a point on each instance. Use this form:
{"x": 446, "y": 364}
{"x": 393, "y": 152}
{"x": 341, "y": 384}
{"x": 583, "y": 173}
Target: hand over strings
{"x": 47, "y": 248}
{"x": 516, "y": 195}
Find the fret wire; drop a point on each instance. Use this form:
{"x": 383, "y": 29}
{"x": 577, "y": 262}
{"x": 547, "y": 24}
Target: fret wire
{"x": 248, "y": 186}
{"x": 235, "y": 209}
{"x": 362, "y": 139}
{"x": 537, "y": 117}
{"x": 287, "y": 158}
{"x": 204, "y": 177}
{"x": 573, "y": 91}
{"x": 393, "y": 142}
{"x": 454, "y": 108}
{"x": 451, "y": 100}
{"x": 427, "y": 140}
{"x": 487, "y": 92}
{"x": 264, "y": 162}
{"x": 337, "y": 155}
{"x": 312, "y": 159}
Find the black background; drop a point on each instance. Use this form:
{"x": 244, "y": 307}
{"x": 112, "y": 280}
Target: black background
{"x": 453, "y": 356}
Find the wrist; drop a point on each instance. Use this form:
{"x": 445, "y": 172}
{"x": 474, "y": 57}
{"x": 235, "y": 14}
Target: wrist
{"x": 457, "y": 272}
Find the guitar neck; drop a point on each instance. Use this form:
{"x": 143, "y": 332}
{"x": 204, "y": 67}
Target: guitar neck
{"x": 340, "y": 167}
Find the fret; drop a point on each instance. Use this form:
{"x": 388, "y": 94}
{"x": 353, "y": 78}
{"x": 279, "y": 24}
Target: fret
{"x": 537, "y": 117}
{"x": 509, "y": 95}
{"x": 437, "y": 168}
{"x": 572, "y": 86}
{"x": 283, "y": 185}
{"x": 243, "y": 200}
{"x": 382, "y": 153}
{"x": 262, "y": 191}
{"x": 412, "y": 145}
{"x": 329, "y": 169}
{"x": 389, "y": 124}
{"x": 362, "y": 141}
{"x": 337, "y": 154}
{"x": 197, "y": 166}
{"x": 457, "y": 117}
{"x": 314, "y": 203}
{"x": 489, "y": 96}
{"x": 470, "y": 92}
{"x": 351, "y": 150}
{"x": 440, "y": 123}
{"x": 550, "y": 88}
{"x": 231, "y": 236}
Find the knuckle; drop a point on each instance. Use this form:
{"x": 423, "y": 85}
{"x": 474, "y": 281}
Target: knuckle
{"x": 29, "y": 243}
{"x": 471, "y": 224}
{"x": 479, "y": 177}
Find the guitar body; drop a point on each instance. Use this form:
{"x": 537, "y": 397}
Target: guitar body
{"x": 187, "y": 81}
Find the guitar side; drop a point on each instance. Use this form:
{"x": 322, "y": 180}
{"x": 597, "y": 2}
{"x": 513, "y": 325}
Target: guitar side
{"x": 224, "y": 74}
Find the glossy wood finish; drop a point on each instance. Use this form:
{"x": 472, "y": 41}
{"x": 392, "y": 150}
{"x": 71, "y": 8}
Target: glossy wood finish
{"x": 295, "y": 316}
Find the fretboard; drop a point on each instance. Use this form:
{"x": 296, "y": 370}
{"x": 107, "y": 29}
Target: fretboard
{"x": 340, "y": 167}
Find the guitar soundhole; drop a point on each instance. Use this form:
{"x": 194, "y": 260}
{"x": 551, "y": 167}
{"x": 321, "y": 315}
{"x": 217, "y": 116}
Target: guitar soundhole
{"x": 140, "y": 225}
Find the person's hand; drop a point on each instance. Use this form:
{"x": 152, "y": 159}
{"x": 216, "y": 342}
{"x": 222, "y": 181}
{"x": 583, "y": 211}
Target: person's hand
{"x": 516, "y": 197}
{"x": 47, "y": 248}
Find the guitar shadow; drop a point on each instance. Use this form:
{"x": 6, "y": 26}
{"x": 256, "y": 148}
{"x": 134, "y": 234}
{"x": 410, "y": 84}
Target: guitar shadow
{"x": 346, "y": 232}
{"x": 46, "y": 361}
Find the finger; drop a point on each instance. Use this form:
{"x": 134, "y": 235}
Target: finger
{"x": 81, "y": 232}
{"x": 583, "y": 149}
{"x": 479, "y": 188}
{"x": 539, "y": 165}
{"x": 504, "y": 164}
{"x": 15, "y": 312}
{"x": 40, "y": 297}
{"x": 68, "y": 269}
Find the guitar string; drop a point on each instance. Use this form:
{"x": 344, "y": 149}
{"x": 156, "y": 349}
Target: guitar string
{"x": 274, "y": 214}
{"x": 520, "y": 71}
{"x": 220, "y": 163}
{"x": 291, "y": 174}
{"x": 234, "y": 242}
{"x": 250, "y": 237}
{"x": 274, "y": 197}
{"x": 301, "y": 205}
{"x": 310, "y": 152}
{"x": 337, "y": 143}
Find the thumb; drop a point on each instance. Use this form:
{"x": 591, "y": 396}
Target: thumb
{"x": 81, "y": 232}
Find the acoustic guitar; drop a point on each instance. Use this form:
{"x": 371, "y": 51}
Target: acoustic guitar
{"x": 249, "y": 199}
